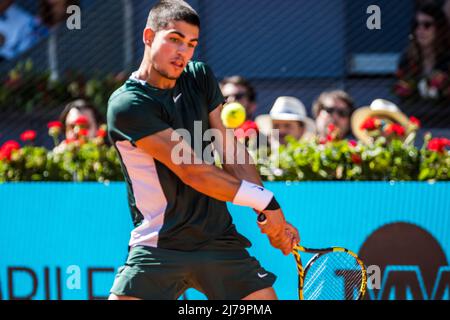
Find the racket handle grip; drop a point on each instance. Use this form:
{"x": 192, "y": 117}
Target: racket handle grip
{"x": 262, "y": 219}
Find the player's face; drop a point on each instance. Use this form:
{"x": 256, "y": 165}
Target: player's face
{"x": 173, "y": 47}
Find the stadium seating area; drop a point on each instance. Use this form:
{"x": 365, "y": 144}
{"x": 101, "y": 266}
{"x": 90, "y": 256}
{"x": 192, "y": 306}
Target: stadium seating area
{"x": 297, "y": 48}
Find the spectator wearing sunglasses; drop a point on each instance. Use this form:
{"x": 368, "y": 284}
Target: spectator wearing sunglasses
{"x": 333, "y": 107}
{"x": 423, "y": 74}
{"x": 239, "y": 89}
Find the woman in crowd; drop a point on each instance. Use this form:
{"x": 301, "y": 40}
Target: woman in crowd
{"x": 423, "y": 74}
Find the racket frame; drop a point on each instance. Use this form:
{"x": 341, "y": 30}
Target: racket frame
{"x": 317, "y": 254}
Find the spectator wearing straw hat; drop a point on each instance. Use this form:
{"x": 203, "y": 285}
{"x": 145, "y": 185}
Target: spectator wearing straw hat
{"x": 382, "y": 119}
{"x": 288, "y": 115}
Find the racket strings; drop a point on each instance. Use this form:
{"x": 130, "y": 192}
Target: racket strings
{"x": 333, "y": 276}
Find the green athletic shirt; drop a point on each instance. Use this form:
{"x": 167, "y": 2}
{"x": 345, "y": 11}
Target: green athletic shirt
{"x": 167, "y": 213}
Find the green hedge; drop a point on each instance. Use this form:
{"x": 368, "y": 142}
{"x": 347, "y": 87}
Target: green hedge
{"x": 354, "y": 161}
{"x": 93, "y": 160}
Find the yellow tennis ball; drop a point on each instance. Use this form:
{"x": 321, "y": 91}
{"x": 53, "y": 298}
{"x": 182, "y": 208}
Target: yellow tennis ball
{"x": 233, "y": 115}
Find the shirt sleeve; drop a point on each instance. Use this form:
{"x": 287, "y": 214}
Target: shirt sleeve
{"x": 213, "y": 93}
{"x": 133, "y": 118}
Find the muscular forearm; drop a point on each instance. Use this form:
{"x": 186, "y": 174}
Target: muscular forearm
{"x": 213, "y": 182}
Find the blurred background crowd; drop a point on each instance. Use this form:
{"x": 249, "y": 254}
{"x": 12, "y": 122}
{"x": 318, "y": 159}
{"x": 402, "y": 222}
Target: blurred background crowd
{"x": 311, "y": 69}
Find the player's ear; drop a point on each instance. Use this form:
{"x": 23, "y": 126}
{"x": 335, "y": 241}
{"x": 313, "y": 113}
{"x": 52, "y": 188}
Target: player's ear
{"x": 148, "y": 36}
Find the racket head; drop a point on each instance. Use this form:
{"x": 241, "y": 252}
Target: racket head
{"x": 331, "y": 274}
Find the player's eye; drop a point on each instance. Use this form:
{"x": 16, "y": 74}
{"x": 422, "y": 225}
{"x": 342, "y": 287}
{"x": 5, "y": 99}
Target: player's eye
{"x": 191, "y": 45}
{"x": 175, "y": 40}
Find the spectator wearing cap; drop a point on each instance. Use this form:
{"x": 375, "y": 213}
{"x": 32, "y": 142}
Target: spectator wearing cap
{"x": 288, "y": 116}
{"x": 239, "y": 89}
{"x": 336, "y": 108}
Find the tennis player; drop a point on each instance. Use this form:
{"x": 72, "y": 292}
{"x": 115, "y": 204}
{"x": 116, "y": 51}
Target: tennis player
{"x": 184, "y": 236}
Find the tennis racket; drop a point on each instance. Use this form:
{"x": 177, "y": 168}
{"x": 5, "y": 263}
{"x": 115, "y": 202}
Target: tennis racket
{"x": 333, "y": 273}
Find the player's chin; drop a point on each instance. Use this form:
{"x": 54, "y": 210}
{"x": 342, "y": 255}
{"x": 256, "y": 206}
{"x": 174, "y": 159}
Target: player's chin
{"x": 174, "y": 75}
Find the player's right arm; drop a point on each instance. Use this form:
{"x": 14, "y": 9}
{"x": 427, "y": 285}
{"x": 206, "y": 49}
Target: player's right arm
{"x": 205, "y": 178}
{"x": 143, "y": 121}
{"x": 214, "y": 182}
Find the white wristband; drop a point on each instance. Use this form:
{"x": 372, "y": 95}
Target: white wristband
{"x": 253, "y": 195}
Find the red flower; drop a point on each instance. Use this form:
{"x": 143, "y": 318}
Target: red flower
{"x": 7, "y": 148}
{"x": 70, "y": 140}
{"x": 415, "y": 121}
{"x": 55, "y": 124}
{"x": 29, "y": 135}
{"x": 356, "y": 158}
{"x": 246, "y": 130}
{"x": 82, "y": 121}
{"x": 329, "y": 138}
{"x": 54, "y": 128}
{"x": 83, "y": 132}
{"x": 394, "y": 128}
{"x": 331, "y": 128}
{"x": 438, "y": 144}
{"x": 369, "y": 124}
{"x": 352, "y": 143}
{"x": 101, "y": 133}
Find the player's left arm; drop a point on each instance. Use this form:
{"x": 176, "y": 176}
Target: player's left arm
{"x": 236, "y": 160}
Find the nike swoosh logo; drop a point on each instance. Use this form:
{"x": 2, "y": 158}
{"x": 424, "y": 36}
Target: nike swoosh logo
{"x": 262, "y": 275}
{"x": 259, "y": 188}
{"x": 177, "y": 97}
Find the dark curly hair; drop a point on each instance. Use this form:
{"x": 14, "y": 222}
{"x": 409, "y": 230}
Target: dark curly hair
{"x": 441, "y": 43}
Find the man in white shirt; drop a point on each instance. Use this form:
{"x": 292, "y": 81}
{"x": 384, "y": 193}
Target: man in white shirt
{"x": 16, "y": 30}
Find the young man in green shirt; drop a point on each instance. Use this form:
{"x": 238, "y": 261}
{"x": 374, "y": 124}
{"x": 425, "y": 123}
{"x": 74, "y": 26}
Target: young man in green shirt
{"x": 184, "y": 236}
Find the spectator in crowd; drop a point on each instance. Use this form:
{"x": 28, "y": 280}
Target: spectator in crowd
{"x": 51, "y": 13}
{"x": 16, "y": 30}
{"x": 80, "y": 114}
{"x": 333, "y": 108}
{"x": 288, "y": 116}
{"x": 446, "y": 9}
{"x": 239, "y": 89}
{"x": 381, "y": 118}
{"x": 423, "y": 74}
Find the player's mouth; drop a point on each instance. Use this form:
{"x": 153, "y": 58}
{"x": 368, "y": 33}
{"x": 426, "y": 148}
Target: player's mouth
{"x": 178, "y": 64}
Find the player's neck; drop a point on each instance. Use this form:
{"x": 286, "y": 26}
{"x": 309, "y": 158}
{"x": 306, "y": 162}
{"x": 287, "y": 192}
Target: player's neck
{"x": 153, "y": 77}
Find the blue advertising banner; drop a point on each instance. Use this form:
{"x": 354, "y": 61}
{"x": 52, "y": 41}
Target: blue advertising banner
{"x": 66, "y": 241}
